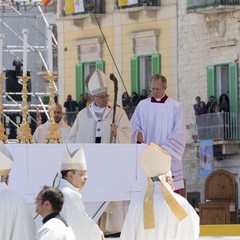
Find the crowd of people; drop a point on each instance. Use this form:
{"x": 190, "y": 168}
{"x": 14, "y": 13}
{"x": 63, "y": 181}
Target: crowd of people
{"x": 212, "y": 106}
{"x": 63, "y": 212}
{"x": 129, "y": 103}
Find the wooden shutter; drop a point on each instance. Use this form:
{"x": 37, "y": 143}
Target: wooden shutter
{"x": 156, "y": 64}
{"x": 100, "y": 65}
{"x": 233, "y": 87}
{"x": 80, "y": 88}
{"x": 211, "y": 81}
{"x": 135, "y": 86}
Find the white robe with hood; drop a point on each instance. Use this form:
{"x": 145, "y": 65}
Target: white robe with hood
{"x": 167, "y": 226}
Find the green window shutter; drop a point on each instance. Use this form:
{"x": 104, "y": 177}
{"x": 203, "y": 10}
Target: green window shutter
{"x": 135, "y": 86}
{"x": 233, "y": 87}
{"x": 100, "y": 66}
{"x": 80, "y": 88}
{"x": 211, "y": 81}
{"x": 156, "y": 64}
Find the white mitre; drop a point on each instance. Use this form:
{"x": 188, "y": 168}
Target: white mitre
{"x": 98, "y": 83}
{"x": 155, "y": 161}
{"x": 5, "y": 164}
{"x": 75, "y": 160}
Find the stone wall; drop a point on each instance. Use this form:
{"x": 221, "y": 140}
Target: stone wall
{"x": 203, "y": 40}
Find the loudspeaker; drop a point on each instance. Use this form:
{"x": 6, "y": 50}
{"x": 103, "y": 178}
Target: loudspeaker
{"x": 13, "y": 84}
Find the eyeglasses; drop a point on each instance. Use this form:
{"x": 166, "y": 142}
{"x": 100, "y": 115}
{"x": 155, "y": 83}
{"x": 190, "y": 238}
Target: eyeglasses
{"x": 38, "y": 199}
{"x": 155, "y": 89}
{"x": 103, "y": 97}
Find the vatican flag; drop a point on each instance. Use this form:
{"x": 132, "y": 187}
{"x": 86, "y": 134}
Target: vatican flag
{"x": 122, "y": 3}
{"x": 74, "y": 6}
{"x": 79, "y": 6}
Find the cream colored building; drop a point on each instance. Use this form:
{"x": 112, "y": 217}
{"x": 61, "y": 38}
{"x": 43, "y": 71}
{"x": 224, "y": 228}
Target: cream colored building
{"x": 195, "y": 44}
{"x": 136, "y": 39}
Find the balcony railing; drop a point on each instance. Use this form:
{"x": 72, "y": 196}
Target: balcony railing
{"x": 195, "y": 4}
{"x": 138, "y": 3}
{"x": 89, "y": 6}
{"x": 218, "y": 126}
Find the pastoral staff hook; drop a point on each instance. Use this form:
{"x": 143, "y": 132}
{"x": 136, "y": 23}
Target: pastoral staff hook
{"x": 115, "y": 81}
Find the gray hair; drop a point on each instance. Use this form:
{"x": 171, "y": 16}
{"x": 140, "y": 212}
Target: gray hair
{"x": 159, "y": 76}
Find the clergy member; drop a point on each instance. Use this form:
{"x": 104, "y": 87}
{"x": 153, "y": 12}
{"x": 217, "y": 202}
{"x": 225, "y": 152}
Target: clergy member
{"x": 40, "y": 133}
{"x": 74, "y": 177}
{"x": 16, "y": 221}
{"x": 49, "y": 203}
{"x": 160, "y": 213}
{"x": 159, "y": 119}
{"x": 94, "y": 123}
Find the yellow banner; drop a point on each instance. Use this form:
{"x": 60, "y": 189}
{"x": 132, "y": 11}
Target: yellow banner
{"x": 122, "y": 3}
{"x": 69, "y": 7}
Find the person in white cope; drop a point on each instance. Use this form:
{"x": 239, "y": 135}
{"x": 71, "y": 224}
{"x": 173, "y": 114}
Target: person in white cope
{"x": 49, "y": 203}
{"x": 159, "y": 119}
{"x": 16, "y": 221}
{"x": 40, "y": 133}
{"x": 74, "y": 177}
{"x": 160, "y": 213}
{"x": 94, "y": 123}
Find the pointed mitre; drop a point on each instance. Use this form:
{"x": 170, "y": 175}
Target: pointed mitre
{"x": 98, "y": 83}
{"x": 5, "y": 164}
{"x": 155, "y": 161}
{"x": 75, "y": 160}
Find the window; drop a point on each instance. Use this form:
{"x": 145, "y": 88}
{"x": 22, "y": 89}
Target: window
{"x": 223, "y": 78}
{"x": 142, "y": 68}
{"x": 82, "y": 71}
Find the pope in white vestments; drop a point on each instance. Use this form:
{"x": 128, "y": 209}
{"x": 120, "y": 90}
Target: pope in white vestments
{"x": 16, "y": 221}
{"x": 40, "y": 133}
{"x": 94, "y": 123}
{"x": 161, "y": 213}
{"x": 74, "y": 177}
{"x": 159, "y": 119}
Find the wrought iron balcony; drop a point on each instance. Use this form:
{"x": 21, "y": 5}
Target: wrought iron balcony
{"x": 89, "y": 6}
{"x": 218, "y": 126}
{"x": 212, "y": 4}
{"x": 138, "y": 3}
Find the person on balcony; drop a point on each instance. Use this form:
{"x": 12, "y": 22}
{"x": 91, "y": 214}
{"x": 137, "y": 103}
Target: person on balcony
{"x": 196, "y": 106}
{"x": 202, "y": 109}
{"x": 224, "y": 103}
{"x": 211, "y": 105}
